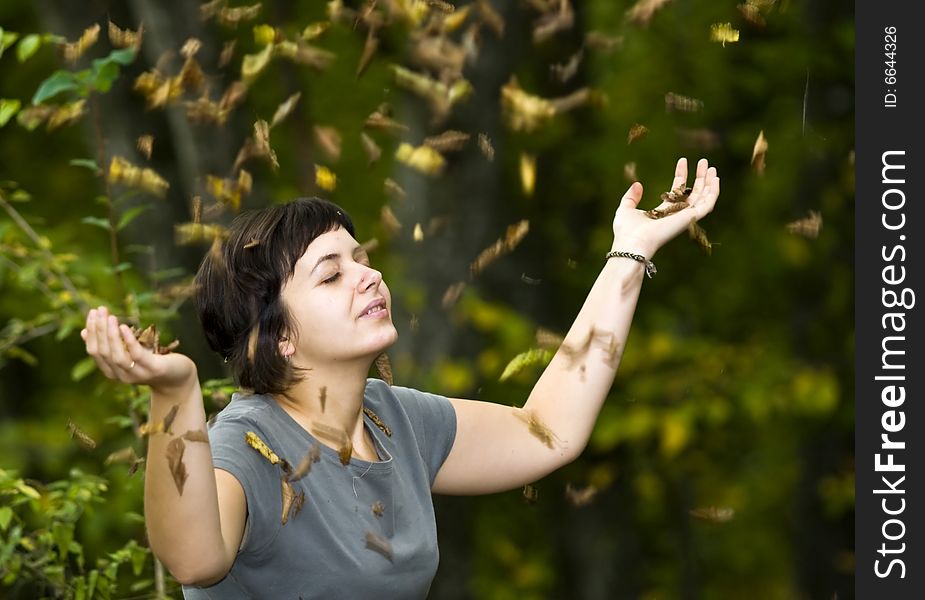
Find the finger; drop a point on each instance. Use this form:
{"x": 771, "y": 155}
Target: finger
{"x": 101, "y": 343}
{"x": 706, "y": 200}
{"x": 120, "y": 357}
{"x": 680, "y": 174}
{"x": 632, "y": 196}
{"x": 102, "y": 336}
{"x": 702, "y": 167}
{"x": 90, "y": 338}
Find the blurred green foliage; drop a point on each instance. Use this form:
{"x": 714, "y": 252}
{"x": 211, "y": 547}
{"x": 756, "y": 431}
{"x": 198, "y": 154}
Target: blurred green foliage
{"x": 721, "y": 465}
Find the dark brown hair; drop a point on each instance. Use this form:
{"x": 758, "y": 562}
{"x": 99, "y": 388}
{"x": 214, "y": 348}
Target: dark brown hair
{"x": 238, "y": 288}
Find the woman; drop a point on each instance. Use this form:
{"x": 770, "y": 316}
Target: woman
{"x": 317, "y": 482}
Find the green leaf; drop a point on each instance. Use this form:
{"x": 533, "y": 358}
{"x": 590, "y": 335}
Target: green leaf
{"x": 57, "y": 82}
{"x": 23, "y": 355}
{"x": 6, "y": 514}
{"x": 8, "y": 108}
{"x": 103, "y": 77}
{"x": 131, "y": 214}
{"x": 124, "y": 57}
{"x": 86, "y": 163}
{"x": 119, "y": 268}
{"x": 98, "y": 221}
{"x": 7, "y": 39}
{"x": 83, "y": 368}
{"x": 28, "y": 46}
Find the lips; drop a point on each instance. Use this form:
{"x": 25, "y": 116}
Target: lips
{"x": 374, "y": 306}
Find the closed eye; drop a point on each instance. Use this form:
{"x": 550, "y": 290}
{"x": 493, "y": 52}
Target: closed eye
{"x": 332, "y": 278}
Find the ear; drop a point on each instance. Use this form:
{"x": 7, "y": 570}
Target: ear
{"x": 286, "y": 348}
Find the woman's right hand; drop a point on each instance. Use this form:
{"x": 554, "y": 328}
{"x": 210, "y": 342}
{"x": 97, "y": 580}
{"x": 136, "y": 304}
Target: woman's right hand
{"x": 120, "y": 356}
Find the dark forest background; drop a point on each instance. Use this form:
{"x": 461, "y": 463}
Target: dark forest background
{"x": 722, "y": 464}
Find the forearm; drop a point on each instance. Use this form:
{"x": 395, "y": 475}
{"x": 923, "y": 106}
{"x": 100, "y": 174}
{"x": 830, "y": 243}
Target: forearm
{"x": 184, "y": 529}
{"x": 569, "y": 394}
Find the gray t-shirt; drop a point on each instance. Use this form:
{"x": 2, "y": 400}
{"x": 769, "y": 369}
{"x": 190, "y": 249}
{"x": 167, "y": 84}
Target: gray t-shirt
{"x": 332, "y": 548}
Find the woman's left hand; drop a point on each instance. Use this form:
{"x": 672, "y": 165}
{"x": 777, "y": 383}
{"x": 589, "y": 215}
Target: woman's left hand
{"x": 634, "y": 231}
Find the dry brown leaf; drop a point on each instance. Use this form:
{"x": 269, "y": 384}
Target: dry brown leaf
{"x": 285, "y": 109}
{"x": 451, "y": 295}
{"x": 381, "y": 119}
{"x": 226, "y": 54}
{"x": 389, "y": 221}
{"x": 373, "y": 151}
{"x": 677, "y": 102}
{"x": 713, "y": 514}
{"x": 629, "y": 171}
{"x": 384, "y": 367}
{"x": 379, "y": 544}
{"x": 580, "y": 496}
{"x": 562, "y": 72}
{"x": 553, "y": 22}
{"x": 335, "y": 436}
{"x": 323, "y": 397}
{"x": 329, "y": 140}
{"x": 758, "y": 153}
{"x": 600, "y": 41}
{"x": 658, "y": 213}
{"x": 262, "y": 143}
{"x": 537, "y": 428}
{"x": 485, "y": 146}
{"x": 305, "y": 465}
{"x": 196, "y": 435}
{"x": 145, "y": 145}
{"x": 641, "y": 12}
{"x": 448, "y": 141}
{"x": 808, "y": 226}
{"x": 124, "y": 172}
{"x": 170, "y": 417}
{"x": 548, "y": 340}
{"x": 80, "y": 436}
{"x": 369, "y": 51}
{"x": 232, "y": 16}
{"x": 531, "y": 494}
{"x": 396, "y": 191}
{"x": 637, "y": 132}
{"x": 491, "y": 17}
{"x": 292, "y": 502}
{"x": 125, "y": 38}
{"x": 512, "y": 237}
{"x": 175, "y": 449}
{"x": 73, "y": 51}
{"x": 378, "y": 508}
{"x": 678, "y": 194}
{"x": 699, "y": 236}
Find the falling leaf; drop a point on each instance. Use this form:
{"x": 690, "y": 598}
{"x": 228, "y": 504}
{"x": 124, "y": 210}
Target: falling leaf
{"x": 677, "y": 102}
{"x": 323, "y": 397}
{"x": 145, "y": 145}
{"x": 678, "y": 194}
{"x": 701, "y": 138}
{"x": 328, "y": 139}
{"x": 175, "y": 449}
{"x": 531, "y": 494}
{"x": 527, "y": 173}
{"x": 699, "y": 236}
{"x": 262, "y": 143}
{"x": 373, "y": 151}
{"x": 379, "y": 544}
{"x": 304, "y": 54}
{"x": 537, "y": 428}
{"x": 723, "y": 32}
{"x": 305, "y": 465}
{"x": 629, "y": 171}
{"x": 418, "y": 233}
{"x": 229, "y": 192}
{"x": 713, "y": 514}
{"x": 369, "y": 51}
{"x": 553, "y": 22}
{"x": 80, "y": 435}
{"x": 441, "y": 96}
{"x": 451, "y": 295}
{"x": 124, "y": 172}
{"x": 254, "y": 441}
{"x": 292, "y": 502}
{"x": 523, "y": 360}
{"x": 641, "y": 12}
{"x": 189, "y": 233}
{"x": 547, "y": 339}
{"x": 125, "y": 38}
{"x": 381, "y": 119}
{"x": 491, "y": 17}
{"x": 209, "y": 9}
{"x": 485, "y": 146}
{"x": 753, "y": 11}
{"x": 378, "y": 508}
{"x": 125, "y": 455}
{"x": 389, "y": 221}
{"x": 525, "y": 112}
{"x": 232, "y": 16}
{"x": 396, "y": 191}
{"x": 253, "y": 65}
{"x": 266, "y": 34}
{"x": 285, "y": 109}
{"x": 149, "y": 338}
{"x": 758, "y": 153}
{"x": 170, "y": 416}
{"x": 422, "y": 158}
{"x": 315, "y": 30}
{"x": 66, "y": 114}
{"x": 73, "y": 51}
{"x": 325, "y": 178}
{"x": 562, "y": 72}
{"x": 384, "y": 367}
{"x": 579, "y": 497}
{"x": 512, "y": 237}
{"x": 597, "y": 40}
{"x": 448, "y": 141}
{"x": 203, "y": 110}
{"x": 196, "y": 435}
{"x": 808, "y": 226}
{"x": 637, "y": 132}
{"x": 233, "y": 95}
{"x": 226, "y": 54}
{"x": 335, "y": 436}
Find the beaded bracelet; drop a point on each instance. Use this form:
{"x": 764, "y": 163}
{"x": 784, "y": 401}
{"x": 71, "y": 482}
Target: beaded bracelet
{"x": 650, "y": 266}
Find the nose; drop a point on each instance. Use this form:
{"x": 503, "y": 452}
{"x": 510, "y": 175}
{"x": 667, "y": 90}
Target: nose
{"x": 371, "y": 279}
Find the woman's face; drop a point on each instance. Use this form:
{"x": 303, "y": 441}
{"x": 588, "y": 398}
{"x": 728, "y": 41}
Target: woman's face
{"x": 340, "y": 306}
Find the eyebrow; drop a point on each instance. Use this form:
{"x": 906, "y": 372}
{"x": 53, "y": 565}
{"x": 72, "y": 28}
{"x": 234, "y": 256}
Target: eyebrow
{"x": 357, "y": 251}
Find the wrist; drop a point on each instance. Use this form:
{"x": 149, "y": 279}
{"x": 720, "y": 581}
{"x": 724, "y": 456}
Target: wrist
{"x": 643, "y": 260}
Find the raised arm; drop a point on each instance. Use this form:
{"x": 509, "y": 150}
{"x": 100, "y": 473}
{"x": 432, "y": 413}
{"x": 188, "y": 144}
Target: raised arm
{"x": 499, "y": 448}
{"x": 196, "y": 535}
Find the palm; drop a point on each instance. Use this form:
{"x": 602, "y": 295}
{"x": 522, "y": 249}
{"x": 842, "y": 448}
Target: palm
{"x": 635, "y": 231}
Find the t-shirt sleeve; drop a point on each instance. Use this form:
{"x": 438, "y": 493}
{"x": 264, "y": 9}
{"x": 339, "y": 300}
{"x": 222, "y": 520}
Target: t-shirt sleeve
{"x": 231, "y": 452}
{"x": 433, "y": 420}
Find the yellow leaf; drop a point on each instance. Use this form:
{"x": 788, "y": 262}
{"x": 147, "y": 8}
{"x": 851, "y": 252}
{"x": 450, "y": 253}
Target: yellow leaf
{"x": 325, "y": 178}
{"x": 527, "y": 173}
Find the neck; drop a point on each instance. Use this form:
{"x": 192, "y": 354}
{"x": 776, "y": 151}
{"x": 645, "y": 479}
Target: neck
{"x": 331, "y": 397}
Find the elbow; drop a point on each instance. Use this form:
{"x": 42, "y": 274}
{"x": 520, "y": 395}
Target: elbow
{"x": 197, "y": 573}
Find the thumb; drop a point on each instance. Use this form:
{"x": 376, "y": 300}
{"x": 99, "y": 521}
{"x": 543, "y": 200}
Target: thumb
{"x": 632, "y": 196}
